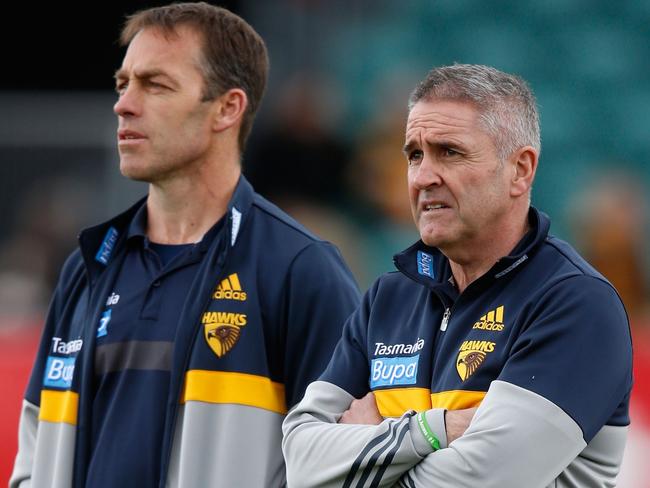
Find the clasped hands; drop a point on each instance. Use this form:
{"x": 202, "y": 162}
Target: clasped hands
{"x": 365, "y": 411}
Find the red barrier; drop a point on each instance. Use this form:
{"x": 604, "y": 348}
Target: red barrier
{"x": 17, "y": 352}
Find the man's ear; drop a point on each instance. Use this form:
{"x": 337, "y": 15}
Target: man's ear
{"x": 229, "y": 109}
{"x": 524, "y": 164}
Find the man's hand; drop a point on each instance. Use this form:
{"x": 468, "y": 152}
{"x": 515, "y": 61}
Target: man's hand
{"x": 456, "y": 422}
{"x": 362, "y": 411}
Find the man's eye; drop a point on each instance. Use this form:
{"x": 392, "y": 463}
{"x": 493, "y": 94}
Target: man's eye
{"x": 414, "y": 157}
{"x": 156, "y": 86}
{"x": 120, "y": 87}
{"x": 447, "y": 151}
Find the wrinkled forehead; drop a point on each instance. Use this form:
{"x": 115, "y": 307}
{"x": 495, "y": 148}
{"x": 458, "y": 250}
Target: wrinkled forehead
{"x": 442, "y": 116}
{"x": 152, "y": 50}
{"x": 155, "y": 42}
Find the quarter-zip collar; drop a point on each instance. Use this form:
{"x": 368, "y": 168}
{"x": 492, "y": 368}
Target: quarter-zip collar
{"x": 430, "y": 267}
{"x": 103, "y": 248}
{"x": 100, "y": 244}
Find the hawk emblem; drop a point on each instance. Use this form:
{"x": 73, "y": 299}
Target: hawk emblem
{"x": 468, "y": 362}
{"x": 222, "y": 330}
{"x": 221, "y": 337}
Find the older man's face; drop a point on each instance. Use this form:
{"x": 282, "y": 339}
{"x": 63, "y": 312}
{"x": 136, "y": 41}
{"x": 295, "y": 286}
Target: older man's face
{"x": 458, "y": 187}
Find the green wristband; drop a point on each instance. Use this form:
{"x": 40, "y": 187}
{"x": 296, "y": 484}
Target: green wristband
{"x": 426, "y": 431}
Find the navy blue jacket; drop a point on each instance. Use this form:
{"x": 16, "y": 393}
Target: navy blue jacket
{"x": 540, "y": 343}
{"x": 294, "y": 295}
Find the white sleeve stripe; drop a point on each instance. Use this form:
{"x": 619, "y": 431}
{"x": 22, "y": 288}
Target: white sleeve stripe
{"x": 357, "y": 462}
{"x": 390, "y": 455}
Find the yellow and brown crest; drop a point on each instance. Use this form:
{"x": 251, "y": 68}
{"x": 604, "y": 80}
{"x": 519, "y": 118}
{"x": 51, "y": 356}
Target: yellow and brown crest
{"x": 471, "y": 355}
{"x": 222, "y": 330}
{"x": 468, "y": 362}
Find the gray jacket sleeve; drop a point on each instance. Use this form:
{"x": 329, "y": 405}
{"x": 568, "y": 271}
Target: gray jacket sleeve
{"x": 517, "y": 438}
{"x": 21, "y": 475}
{"x": 320, "y": 452}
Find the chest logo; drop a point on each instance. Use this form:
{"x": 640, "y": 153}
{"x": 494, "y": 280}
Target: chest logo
{"x": 394, "y": 371}
{"x": 102, "y": 330}
{"x": 222, "y": 330}
{"x": 493, "y": 320}
{"x": 230, "y": 289}
{"x": 471, "y": 355}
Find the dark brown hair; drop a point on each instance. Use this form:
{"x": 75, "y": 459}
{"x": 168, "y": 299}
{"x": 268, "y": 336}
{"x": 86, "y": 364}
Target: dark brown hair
{"x": 233, "y": 54}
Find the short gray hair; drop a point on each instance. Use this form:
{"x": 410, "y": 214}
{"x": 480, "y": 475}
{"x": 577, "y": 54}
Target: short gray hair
{"x": 506, "y": 103}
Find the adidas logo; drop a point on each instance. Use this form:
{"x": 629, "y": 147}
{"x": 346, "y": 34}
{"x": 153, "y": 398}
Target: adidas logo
{"x": 493, "y": 320}
{"x": 230, "y": 289}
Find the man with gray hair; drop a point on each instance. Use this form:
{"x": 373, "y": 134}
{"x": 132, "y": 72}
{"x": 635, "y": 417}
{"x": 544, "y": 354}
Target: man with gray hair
{"x": 496, "y": 356}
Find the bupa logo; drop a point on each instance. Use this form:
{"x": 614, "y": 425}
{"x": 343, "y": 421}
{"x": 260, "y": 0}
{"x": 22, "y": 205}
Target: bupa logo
{"x": 394, "y": 371}
{"x": 59, "y": 372}
{"x": 105, "y": 250}
{"x": 425, "y": 264}
{"x": 230, "y": 289}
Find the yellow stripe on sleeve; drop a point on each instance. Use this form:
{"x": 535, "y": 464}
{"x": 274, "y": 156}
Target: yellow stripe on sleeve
{"x": 239, "y": 388}
{"x": 396, "y": 401}
{"x": 59, "y": 406}
{"x": 456, "y": 399}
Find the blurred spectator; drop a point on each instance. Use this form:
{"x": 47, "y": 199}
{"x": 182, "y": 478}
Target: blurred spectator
{"x": 610, "y": 222}
{"x": 49, "y": 215}
{"x": 298, "y": 162}
{"x": 298, "y": 154}
{"x": 377, "y": 179}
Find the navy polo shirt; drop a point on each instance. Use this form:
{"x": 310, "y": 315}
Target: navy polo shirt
{"x": 133, "y": 356}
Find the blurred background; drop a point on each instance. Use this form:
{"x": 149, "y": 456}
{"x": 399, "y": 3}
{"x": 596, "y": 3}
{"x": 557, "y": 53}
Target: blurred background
{"x": 326, "y": 146}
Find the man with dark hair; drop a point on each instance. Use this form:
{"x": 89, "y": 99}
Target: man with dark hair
{"x": 182, "y": 330}
{"x": 487, "y": 310}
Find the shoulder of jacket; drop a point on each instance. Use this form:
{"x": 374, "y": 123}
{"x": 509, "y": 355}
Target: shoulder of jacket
{"x": 281, "y": 220}
{"x": 566, "y": 255}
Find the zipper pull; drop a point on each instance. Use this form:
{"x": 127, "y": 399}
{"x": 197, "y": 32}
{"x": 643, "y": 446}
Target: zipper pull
{"x": 445, "y": 319}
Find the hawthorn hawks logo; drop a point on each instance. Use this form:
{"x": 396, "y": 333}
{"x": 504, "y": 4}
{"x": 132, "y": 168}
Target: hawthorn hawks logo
{"x": 222, "y": 330}
{"x": 471, "y": 355}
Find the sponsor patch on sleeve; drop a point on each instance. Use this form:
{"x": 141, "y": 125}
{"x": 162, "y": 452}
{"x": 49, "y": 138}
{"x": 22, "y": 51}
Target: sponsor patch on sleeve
{"x": 59, "y": 372}
{"x": 394, "y": 371}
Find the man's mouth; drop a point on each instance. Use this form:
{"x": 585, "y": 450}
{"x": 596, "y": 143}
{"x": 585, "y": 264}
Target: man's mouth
{"x": 129, "y": 135}
{"x": 432, "y": 206}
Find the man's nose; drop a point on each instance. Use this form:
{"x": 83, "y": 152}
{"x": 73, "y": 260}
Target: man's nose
{"x": 128, "y": 103}
{"x": 427, "y": 173}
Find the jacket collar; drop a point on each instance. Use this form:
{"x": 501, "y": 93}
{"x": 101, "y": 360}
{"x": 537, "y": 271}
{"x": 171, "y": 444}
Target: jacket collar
{"x": 100, "y": 244}
{"x": 429, "y": 267}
